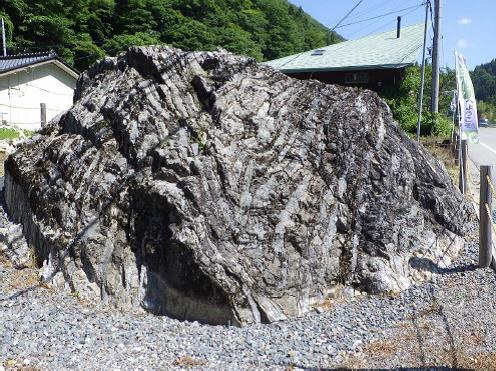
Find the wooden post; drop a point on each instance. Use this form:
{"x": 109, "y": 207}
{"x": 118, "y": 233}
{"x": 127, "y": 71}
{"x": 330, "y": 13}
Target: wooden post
{"x": 455, "y": 147}
{"x": 485, "y": 227}
{"x": 43, "y": 114}
{"x": 463, "y": 183}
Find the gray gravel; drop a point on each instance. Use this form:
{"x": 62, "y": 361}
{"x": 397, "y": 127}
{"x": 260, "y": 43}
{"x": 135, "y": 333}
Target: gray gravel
{"x": 428, "y": 325}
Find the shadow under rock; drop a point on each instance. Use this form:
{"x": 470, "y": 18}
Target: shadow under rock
{"x": 20, "y": 293}
{"x": 436, "y": 309}
{"x": 424, "y": 264}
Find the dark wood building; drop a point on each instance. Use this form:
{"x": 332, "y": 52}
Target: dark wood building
{"x": 370, "y": 62}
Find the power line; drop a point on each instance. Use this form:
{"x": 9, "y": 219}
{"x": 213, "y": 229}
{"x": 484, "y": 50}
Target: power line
{"x": 414, "y": 48}
{"x": 392, "y": 20}
{"x": 375, "y": 8}
{"x": 411, "y": 11}
{"x": 367, "y": 10}
{"x": 59, "y": 45}
{"x": 432, "y": 19}
{"x": 368, "y": 26}
{"x": 29, "y": 108}
{"x": 346, "y": 16}
{"x": 442, "y": 43}
{"x": 410, "y": 51}
{"x": 49, "y": 91}
{"x": 380, "y": 16}
{"x": 24, "y": 123}
{"x": 342, "y": 19}
{"x": 380, "y": 27}
{"x": 24, "y": 108}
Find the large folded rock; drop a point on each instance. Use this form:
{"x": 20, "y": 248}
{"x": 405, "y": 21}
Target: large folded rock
{"x": 206, "y": 186}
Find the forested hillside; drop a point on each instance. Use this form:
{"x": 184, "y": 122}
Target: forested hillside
{"x": 82, "y": 31}
{"x": 484, "y": 79}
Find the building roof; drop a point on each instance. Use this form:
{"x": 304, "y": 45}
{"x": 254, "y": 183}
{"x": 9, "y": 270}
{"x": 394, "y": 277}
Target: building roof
{"x": 12, "y": 63}
{"x": 377, "y": 51}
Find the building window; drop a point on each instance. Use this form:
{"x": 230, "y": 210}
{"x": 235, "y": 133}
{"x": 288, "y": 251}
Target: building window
{"x": 356, "y": 78}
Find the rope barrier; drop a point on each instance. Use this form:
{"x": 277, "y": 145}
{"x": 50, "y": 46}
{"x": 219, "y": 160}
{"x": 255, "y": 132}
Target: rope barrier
{"x": 491, "y": 185}
{"x": 487, "y": 246}
{"x": 468, "y": 192}
{"x": 490, "y": 217}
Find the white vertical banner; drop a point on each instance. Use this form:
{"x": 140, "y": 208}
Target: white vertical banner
{"x": 469, "y": 124}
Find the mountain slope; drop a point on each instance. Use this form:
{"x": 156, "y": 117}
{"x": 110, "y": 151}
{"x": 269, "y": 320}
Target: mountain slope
{"x": 83, "y": 31}
{"x": 484, "y": 78}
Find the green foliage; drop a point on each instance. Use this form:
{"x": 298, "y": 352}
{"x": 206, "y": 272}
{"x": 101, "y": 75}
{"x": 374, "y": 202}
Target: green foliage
{"x": 9, "y": 133}
{"x": 486, "y": 110}
{"x": 9, "y": 27}
{"x": 435, "y": 124}
{"x": 85, "y": 52}
{"x": 81, "y": 31}
{"x": 403, "y": 101}
{"x": 484, "y": 79}
{"x": 124, "y": 41}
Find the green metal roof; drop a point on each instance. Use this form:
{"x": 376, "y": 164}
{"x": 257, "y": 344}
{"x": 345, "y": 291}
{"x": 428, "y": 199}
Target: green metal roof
{"x": 381, "y": 50}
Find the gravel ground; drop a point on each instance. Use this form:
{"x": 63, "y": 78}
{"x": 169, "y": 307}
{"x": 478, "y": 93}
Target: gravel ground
{"x": 447, "y": 322}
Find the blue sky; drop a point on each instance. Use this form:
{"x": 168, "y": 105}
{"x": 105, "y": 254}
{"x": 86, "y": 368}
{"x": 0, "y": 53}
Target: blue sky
{"x": 467, "y": 25}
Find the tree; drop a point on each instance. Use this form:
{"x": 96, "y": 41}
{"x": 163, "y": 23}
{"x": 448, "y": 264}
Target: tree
{"x": 81, "y": 31}
{"x": 123, "y": 42}
{"x": 403, "y": 101}
{"x": 484, "y": 79}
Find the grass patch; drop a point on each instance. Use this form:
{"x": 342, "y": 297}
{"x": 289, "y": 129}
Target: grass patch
{"x": 188, "y": 362}
{"x": 4, "y": 260}
{"x": 438, "y": 147}
{"x": 12, "y": 133}
{"x": 23, "y": 279}
{"x": 9, "y": 133}
{"x": 3, "y": 156}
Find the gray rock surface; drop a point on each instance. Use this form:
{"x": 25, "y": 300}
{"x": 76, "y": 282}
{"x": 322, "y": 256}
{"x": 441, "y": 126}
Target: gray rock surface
{"x": 13, "y": 245}
{"x": 205, "y": 186}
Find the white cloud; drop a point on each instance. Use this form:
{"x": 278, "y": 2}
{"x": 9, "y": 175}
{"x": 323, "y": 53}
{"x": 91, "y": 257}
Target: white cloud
{"x": 465, "y": 21}
{"x": 462, "y": 43}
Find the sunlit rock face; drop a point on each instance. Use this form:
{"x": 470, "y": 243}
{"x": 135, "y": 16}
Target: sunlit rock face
{"x": 205, "y": 186}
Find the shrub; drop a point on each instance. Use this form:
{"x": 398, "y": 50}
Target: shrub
{"x": 9, "y": 133}
{"x": 435, "y": 124}
{"x": 403, "y": 101}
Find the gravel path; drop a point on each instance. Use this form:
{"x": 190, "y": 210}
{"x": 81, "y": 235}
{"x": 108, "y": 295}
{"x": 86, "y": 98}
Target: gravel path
{"x": 448, "y": 322}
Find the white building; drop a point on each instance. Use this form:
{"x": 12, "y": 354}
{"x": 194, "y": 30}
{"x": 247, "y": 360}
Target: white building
{"x": 27, "y": 81}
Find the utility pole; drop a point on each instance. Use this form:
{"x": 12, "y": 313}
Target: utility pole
{"x": 435, "y": 56}
{"x": 421, "y": 95}
{"x": 3, "y": 39}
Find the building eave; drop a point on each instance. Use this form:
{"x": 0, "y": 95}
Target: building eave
{"x": 56, "y": 61}
{"x": 349, "y": 68}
